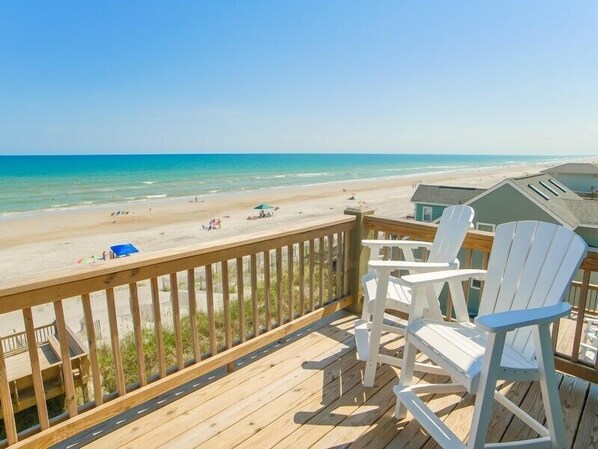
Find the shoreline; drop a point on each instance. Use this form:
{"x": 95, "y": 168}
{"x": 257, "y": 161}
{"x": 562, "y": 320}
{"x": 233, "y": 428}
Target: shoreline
{"x": 40, "y": 242}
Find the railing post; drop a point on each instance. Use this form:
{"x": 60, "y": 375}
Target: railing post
{"x": 358, "y": 256}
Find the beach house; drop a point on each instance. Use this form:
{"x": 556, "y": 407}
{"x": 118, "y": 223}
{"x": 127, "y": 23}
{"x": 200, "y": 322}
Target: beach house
{"x": 430, "y": 200}
{"x": 579, "y": 177}
{"x": 536, "y": 197}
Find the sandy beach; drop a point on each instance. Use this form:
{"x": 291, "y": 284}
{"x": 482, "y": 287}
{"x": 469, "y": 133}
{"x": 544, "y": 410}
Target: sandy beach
{"x": 51, "y": 240}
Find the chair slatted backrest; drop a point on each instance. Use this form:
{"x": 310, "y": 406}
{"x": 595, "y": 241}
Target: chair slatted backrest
{"x": 454, "y": 224}
{"x": 531, "y": 265}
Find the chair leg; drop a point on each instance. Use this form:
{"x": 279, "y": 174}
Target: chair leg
{"x": 549, "y": 387}
{"x": 485, "y": 392}
{"x": 406, "y": 376}
{"x": 375, "y": 335}
{"x": 376, "y": 329}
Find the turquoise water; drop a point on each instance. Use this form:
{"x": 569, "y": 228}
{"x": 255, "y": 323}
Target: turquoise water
{"x": 30, "y": 183}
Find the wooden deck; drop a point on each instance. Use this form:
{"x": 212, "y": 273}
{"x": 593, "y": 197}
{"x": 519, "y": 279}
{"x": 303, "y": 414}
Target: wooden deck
{"x": 306, "y": 391}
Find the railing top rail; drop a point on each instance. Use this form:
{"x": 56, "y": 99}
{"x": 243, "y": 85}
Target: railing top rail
{"x": 60, "y": 284}
{"x": 479, "y": 240}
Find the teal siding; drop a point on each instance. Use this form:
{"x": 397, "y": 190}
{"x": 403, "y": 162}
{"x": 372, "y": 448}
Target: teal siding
{"x": 590, "y": 235}
{"x": 436, "y": 211}
{"x": 506, "y": 204}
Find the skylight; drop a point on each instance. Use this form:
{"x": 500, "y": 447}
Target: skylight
{"x": 550, "y": 189}
{"x": 539, "y": 192}
{"x": 557, "y": 185}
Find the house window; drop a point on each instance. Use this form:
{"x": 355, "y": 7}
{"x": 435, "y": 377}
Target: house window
{"x": 427, "y": 215}
{"x": 476, "y": 284}
{"x": 488, "y": 227}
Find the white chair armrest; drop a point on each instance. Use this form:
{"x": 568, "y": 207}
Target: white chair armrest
{"x": 513, "y": 319}
{"x": 395, "y": 244}
{"x": 391, "y": 265}
{"x": 423, "y": 279}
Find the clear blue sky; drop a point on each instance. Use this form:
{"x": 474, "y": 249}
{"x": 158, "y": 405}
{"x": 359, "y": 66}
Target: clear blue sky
{"x": 480, "y": 76}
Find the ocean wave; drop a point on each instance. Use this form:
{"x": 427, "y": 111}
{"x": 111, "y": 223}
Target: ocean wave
{"x": 156, "y": 196}
{"x": 305, "y": 175}
{"x": 148, "y": 182}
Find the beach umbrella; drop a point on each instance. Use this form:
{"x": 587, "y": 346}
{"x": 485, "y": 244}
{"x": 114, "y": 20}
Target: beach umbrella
{"x": 263, "y": 206}
{"x": 123, "y": 250}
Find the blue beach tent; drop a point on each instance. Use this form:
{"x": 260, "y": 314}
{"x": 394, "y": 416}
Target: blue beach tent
{"x": 123, "y": 250}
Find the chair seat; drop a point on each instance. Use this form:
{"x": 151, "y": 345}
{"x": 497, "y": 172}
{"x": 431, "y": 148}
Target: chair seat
{"x": 463, "y": 347}
{"x": 397, "y": 298}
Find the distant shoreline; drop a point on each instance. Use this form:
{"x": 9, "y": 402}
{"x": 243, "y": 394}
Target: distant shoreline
{"x": 141, "y": 191}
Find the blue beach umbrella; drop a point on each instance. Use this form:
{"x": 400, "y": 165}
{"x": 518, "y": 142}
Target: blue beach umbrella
{"x": 123, "y": 250}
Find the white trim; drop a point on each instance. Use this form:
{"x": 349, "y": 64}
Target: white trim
{"x": 590, "y": 226}
{"x": 491, "y": 225}
{"x": 524, "y": 193}
{"x": 431, "y": 204}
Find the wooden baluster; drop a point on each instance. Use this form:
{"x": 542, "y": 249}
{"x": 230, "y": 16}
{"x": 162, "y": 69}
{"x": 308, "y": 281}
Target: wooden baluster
{"x": 193, "y": 314}
{"x": 254, "y": 303}
{"x": 241, "y": 300}
{"x": 211, "y": 315}
{"x": 312, "y": 287}
{"x": 8, "y": 415}
{"x": 158, "y": 326}
{"x": 449, "y": 307}
{"x": 302, "y": 278}
{"x": 38, "y": 381}
{"x": 581, "y": 312}
{"x": 176, "y": 318}
{"x": 228, "y": 338}
{"x": 346, "y": 264}
{"x": 93, "y": 351}
{"x": 67, "y": 370}
{"x": 321, "y": 271}
{"x": 555, "y": 334}
{"x": 330, "y": 239}
{"x": 135, "y": 313}
{"x": 290, "y": 282}
{"x": 267, "y": 290}
{"x": 118, "y": 365}
{"x": 468, "y": 262}
{"x": 280, "y": 310}
{"x": 339, "y": 265}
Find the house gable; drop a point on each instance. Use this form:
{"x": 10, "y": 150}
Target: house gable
{"x": 505, "y": 203}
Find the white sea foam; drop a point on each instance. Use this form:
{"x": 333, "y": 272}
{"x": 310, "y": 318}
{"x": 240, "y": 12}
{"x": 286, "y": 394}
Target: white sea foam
{"x": 148, "y": 182}
{"x": 305, "y": 175}
{"x": 156, "y": 196}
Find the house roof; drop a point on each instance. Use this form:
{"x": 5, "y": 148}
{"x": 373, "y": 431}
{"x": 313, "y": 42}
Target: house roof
{"x": 556, "y": 199}
{"x": 573, "y": 168}
{"x": 444, "y": 195}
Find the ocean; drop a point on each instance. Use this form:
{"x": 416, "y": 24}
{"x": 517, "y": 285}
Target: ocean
{"x": 34, "y": 183}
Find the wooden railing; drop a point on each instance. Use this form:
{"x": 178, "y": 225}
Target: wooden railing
{"x": 18, "y": 341}
{"x": 569, "y": 333}
{"x": 162, "y": 330}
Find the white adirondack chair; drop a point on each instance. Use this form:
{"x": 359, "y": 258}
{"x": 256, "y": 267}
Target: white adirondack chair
{"x": 531, "y": 266}
{"x": 383, "y": 291}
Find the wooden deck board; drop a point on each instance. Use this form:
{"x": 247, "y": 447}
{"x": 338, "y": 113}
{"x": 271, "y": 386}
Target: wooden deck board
{"x": 308, "y": 393}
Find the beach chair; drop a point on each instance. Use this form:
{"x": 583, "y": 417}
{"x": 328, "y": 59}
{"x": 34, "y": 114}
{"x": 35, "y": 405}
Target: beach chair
{"x": 385, "y": 292}
{"x": 531, "y": 266}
